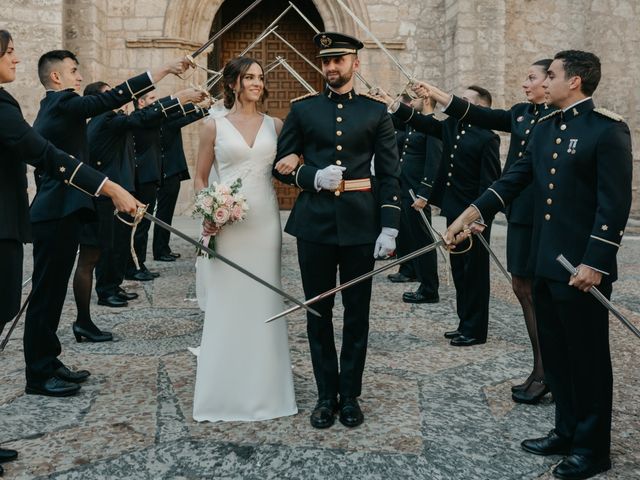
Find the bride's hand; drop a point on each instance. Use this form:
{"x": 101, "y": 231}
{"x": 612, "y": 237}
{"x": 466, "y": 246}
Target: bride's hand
{"x": 287, "y": 165}
{"x": 209, "y": 228}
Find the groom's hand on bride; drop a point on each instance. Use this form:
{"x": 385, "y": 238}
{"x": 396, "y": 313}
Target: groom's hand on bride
{"x": 287, "y": 164}
{"x": 329, "y": 178}
{"x": 386, "y": 243}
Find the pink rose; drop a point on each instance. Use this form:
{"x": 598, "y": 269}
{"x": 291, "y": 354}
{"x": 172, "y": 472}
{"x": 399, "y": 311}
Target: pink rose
{"x": 207, "y": 202}
{"x": 221, "y": 215}
{"x": 228, "y": 200}
{"x": 236, "y": 213}
{"x": 224, "y": 189}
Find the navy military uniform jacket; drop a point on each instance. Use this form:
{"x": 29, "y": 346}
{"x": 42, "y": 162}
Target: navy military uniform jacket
{"x": 149, "y": 148}
{"x": 62, "y": 119}
{"x": 470, "y": 160}
{"x": 581, "y": 165}
{"x": 22, "y": 144}
{"x": 111, "y": 140}
{"x": 420, "y": 156}
{"x": 174, "y": 162}
{"x": 347, "y": 130}
{"x": 519, "y": 120}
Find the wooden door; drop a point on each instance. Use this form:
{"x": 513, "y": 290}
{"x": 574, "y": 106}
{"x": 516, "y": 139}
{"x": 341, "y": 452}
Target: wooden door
{"x": 281, "y": 85}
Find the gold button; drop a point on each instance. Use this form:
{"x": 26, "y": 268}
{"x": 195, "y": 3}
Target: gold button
{"x": 551, "y": 186}
{"x": 450, "y": 174}
{"x": 337, "y": 193}
{"x": 527, "y": 131}
{"x": 66, "y": 181}
{"x": 457, "y": 137}
{"x": 99, "y": 163}
{"x": 549, "y": 201}
{"x": 463, "y": 132}
{"x": 553, "y": 171}
{"x": 563, "y": 127}
{"x": 533, "y": 121}
{"x": 455, "y": 146}
{"x": 555, "y": 155}
{"x": 338, "y": 162}
{"x": 339, "y": 133}
{"x": 558, "y": 140}
{"x": 339, "y": 148}
{"x": 340, "y": 106}
{"x": 522, "y": 142}
{"x": 519, "y": 154}
{"x": 448, "y": 184}
{"x": 120, "y": 92}
{"x": 339, "y": 119}
{"x": 449, "y": 164}
{"x": 395, "y": 198}
{"x": 452, "y": 155}
{"x": 547, "y": 217}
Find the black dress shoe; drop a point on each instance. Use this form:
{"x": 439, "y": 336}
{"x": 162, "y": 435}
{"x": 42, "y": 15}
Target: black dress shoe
{"x": 522, "y": 386}
{"x": 452, "y": 334}
{"x": 419, "y": 297}
{"x": 400, "y": 278}
{"x": 463, "y": 341}
{"x": 350, "y": 413}
{"x": 139, "y": 275}
{"x": 124, "y": 295}
{"x": 70, "y": 376}
{"x": 174, "y": 255}
{"x": 324, "y": 414}
{"x": 165, "y": 258}
{"x": 113, "y": 301}
{"x": 552, "y": 444}
{"x": 149, "y": 272}
{"x": 7, "y": 455}
{"x": 579, "y": 467}
{"x": 52, "y": 387}
{"x": 92, "y": 336}
{"x": 533, "y": 394}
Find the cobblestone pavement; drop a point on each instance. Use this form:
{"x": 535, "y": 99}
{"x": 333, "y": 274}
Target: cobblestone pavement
{"x": 432, "y": 411}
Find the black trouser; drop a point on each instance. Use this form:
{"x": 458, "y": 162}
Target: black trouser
{"x": 470, "y": 272}
{"x": 167, "y": 199}
{"x": 112, "y": 264}
{"x": 147, "y": 194}
{"x": 574, "y": 339}
{"x": 318, "y": 266}
{"x": 404, "y": 246}
{"x": 55, "y": 243}
{"x": 11, "y": 256}
{"x": 425, "y": 266}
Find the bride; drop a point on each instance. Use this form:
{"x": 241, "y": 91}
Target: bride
{"x": 244, "y": 367}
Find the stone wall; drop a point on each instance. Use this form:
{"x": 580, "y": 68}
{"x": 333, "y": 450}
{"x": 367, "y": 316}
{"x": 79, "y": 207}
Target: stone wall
{"x": 452, "y": 43}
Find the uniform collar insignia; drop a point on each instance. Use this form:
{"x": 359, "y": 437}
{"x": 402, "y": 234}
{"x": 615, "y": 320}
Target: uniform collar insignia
{"x": 578, "y": 109}
{"x": 339, "y": 97}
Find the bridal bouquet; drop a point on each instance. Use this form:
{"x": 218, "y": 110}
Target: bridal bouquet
{"x": 222, "y": 205}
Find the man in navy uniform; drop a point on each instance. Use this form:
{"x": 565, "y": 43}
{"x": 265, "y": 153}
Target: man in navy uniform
{"x": 580, "y": 162}
{"x": 470, "y": 163}
{"x": 58, "y": 212}
{"x": 420, "y": 156}
{"x": 340, "y": 223}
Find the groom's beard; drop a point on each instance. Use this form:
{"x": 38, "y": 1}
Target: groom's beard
{"x": 340, "y": 80}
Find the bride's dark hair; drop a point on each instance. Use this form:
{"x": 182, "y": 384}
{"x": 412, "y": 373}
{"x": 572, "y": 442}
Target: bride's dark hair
{"x": 234, "y": 69}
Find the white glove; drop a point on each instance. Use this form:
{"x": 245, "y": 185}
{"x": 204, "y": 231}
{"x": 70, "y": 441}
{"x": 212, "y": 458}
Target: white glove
{"x": 386, "y": 243}
{"x": 329, "y": 178}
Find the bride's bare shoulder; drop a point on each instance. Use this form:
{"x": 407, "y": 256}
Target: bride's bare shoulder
{"x": 208, "y": 128}
{"x": 277, "y": 124}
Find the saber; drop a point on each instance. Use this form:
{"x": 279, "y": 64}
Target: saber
{"x": 375, "y": 39}
{"x": 296, "y": 75}
{"x": 15, "y": 320}
{"x": 221, "y": 32}
{"x": 315, "y": 29}
{"x": 360, "y": 279}
{"x": 214, "y": 254}
{"x": 313, "y": 65}
{"x": 493, "y": 256}
{"x": 600, "y": 297}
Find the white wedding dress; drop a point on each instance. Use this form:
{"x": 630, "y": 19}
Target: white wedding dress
{"x": 244, "y": 367}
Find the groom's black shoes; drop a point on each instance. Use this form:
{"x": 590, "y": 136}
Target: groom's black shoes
{"x": 7, "y": 455}
{"x": 552, "y": 444}
{"x": 350, "y": 413}
{"x": 324, "y": 414}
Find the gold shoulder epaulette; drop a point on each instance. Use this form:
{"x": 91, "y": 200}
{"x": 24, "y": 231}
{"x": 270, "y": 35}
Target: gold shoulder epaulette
{"x": 308, "y": 95}
{"x": 371, "y": 97}
{"x": 546, "y": 117}
{"x": 609, "y": 114}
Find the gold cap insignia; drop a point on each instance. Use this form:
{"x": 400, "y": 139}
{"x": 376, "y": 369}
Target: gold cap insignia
{"x": 325, "y": 41}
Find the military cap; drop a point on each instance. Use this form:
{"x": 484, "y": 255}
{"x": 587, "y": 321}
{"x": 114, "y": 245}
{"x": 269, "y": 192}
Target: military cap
{"x": 333, "y": 44}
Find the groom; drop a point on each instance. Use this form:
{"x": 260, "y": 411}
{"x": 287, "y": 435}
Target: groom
{"x": 340, "y": 223}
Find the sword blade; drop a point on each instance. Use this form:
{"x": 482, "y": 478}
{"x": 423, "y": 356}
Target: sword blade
{"x": 300, "y": 54}
{"x": 360, "y": 279}
{"x": 15, "y": 322}
{"x": 234, "y": 265}
{"x": 222, "y": 31}
{"x": 375, "y": 39}
{"x": 296, "y": 75}
{"x": 493, "y": 256}
{"x": 600, "y": 297}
